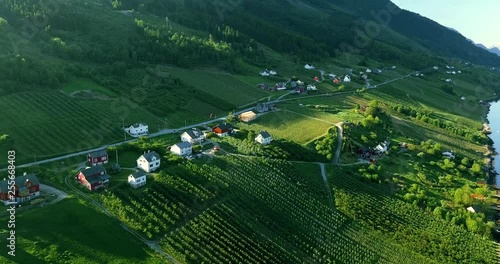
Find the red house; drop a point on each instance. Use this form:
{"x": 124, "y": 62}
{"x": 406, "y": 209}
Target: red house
{"x": 316, "y": 79}
{"x": 223, "y": 130}
{"x": 98, "y": 158}
{"x": 93, "y": 178}
{"x": 26, "y": 187}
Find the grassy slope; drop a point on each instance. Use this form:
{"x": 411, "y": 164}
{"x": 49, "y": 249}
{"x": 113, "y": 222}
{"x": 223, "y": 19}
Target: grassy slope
{"x": 73, "y": 232}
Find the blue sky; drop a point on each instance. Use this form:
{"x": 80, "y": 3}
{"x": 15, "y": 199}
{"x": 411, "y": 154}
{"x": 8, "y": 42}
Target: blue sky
{"x": 477, "y": 20}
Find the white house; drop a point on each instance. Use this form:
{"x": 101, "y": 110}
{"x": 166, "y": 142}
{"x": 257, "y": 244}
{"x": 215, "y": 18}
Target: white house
{"x": 448, "y": 80}
{"x": 449, "y": 154}
{"x": 368, "y": 71}
{"x": 311, "y": 87}
{"x": 149, "y": 161}
{"x": 381, "y": 148}
{"x": 263, "y": 138}
{"x": 182, "y": 149}
{"x": 463, "y": 98}
{"x": 309, "y": 67}
{"x": 193, "y": 136}
{"x": 272, "y": 72}
{"x": 435, "y": 67}
{"x": 459, "y": 72}
{"x": 138, "y": 129}
{"x": 137, "y": 179}
{"x": 347, "y": 79}
{"x": 264, "y": 73}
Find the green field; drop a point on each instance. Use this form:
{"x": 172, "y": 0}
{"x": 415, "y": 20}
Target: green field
{"x": 73, "y": 232}
{"x": 83, "y": 84}
{"x": 237, "y": 90}
{"x": 289, "y": 125}
{"x": 47, "y": 124}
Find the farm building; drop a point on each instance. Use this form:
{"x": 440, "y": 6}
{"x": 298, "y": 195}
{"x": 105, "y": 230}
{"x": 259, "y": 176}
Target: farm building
{"x": 149, "y": 161}
{"x": 193, "y": 136}
{"x": 182, "y": 149}
{"x": 263, "y": 86}
{"x": 98, "y": 157}
{"x": 311, "y": 87}
{"x": 93, "y": 178}
{"x": 137, "y": 179}
{"x": 263, "y": 138}
{"x": 248, "y": 116}
{"x": 223, "y": 129}
{"x": 280, "y": 86}
{"x": 138, "y": 129}
{"x": 26, "y": 188}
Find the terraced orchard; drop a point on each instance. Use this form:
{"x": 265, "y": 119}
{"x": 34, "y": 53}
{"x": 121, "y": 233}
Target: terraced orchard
{"x": 51, "y": 123}
{"x": 407, "y": 224}
{"x": 276, "y": 212}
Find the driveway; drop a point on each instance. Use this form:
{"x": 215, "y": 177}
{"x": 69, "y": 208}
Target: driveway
{"x": 49, "y": 189}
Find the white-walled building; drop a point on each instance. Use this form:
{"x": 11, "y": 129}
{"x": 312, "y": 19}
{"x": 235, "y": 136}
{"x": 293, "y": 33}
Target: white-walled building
{"x": 309, "y": 66}
{"x": 137, "y": 179}
{"x": 138, "y": 129}
{"x": 182, "y": 149}
{"x": 193, "y": 136}
{"x": 149, "y": 161}
{"x": 263, "y": 138}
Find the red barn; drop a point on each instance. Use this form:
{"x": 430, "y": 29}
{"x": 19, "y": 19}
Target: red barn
{"x": 223, "y": 130}
{"x": 93, "y": 178}
{"x": 98, "y": 158}
{"x": 26, "y": 187}
{"x": 316, "y": 79}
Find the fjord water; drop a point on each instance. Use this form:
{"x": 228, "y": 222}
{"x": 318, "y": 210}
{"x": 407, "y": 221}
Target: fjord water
{"x": 494, "y": 122}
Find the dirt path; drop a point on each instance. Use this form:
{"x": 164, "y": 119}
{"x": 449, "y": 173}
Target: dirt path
{"x": 151, "y": 243}
{"x": 49, "y": 189}
{"x": 325, "y": 180}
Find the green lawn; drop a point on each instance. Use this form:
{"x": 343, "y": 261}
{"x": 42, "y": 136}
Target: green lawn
{"x": 238, "y": 90}
{"x": 84, "y": 84}
{"x": 289, "y": 125}
{"x": 72, "y": 232}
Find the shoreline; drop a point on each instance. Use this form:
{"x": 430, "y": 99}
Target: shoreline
{"x": 490, "y": 155}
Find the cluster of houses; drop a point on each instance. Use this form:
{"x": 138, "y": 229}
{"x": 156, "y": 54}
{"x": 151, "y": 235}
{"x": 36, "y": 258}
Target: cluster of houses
{"x": 26, "y": 188}
{"x": 277, "y": 87}
{"x": 372, "y": 154}
{"x": 95, "y": 176}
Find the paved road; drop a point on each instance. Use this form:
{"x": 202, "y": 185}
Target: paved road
{"x": 170, "y": 131}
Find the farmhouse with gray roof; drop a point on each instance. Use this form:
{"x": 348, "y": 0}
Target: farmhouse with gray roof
{"x": 149, "y": 161}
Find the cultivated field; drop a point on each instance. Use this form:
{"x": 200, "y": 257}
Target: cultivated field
{"x": 72, "y": 232}
{"x": 290, "y": 125}
{"x": 49, "y": 124}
